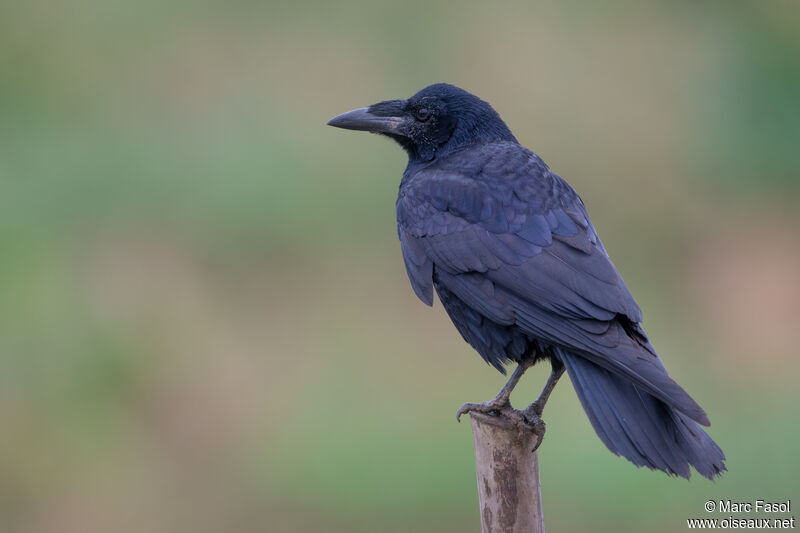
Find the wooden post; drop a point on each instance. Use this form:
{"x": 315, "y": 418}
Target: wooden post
{"x": 507, "y": 466}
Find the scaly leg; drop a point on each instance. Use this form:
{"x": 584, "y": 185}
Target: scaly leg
{"x": 500, "y": 401}
{"x": 537, "y": 407}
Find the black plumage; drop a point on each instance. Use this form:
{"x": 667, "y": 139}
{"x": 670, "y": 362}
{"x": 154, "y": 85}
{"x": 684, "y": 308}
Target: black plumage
{"x": 509, "y": 248}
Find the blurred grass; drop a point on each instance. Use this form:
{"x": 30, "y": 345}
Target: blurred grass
{"x": 205, "y": 324}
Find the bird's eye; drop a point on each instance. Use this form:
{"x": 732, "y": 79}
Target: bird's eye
{"x": 423, "y": 114}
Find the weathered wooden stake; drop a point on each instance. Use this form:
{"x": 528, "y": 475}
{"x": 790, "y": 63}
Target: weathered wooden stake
{"x": 507, "y": 466}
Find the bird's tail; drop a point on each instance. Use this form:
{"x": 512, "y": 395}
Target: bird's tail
{"x": 641, "y": 428}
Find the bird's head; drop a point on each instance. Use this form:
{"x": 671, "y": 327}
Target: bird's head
{"x": 437, "y": 120}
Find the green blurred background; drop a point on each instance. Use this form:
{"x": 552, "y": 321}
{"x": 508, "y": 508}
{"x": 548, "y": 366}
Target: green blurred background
{"x": 205, "y": 324}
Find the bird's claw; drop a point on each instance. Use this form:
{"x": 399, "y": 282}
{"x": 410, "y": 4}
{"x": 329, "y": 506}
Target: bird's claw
{"x": 534, "y": 422}
{"x": 527, "y": 420}
{"x": 492, "y": 406}
{"x": 534, "y": 410}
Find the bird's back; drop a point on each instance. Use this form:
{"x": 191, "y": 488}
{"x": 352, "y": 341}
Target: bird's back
{"x": 496, "y": 206}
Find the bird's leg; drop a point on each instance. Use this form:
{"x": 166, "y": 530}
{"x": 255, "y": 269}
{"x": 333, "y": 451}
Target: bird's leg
{"x": 537, "y": 407}
{"x": 500, "y": 401}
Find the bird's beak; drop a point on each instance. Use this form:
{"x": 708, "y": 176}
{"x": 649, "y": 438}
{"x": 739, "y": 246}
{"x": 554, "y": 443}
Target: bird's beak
{"x": 363, "y": 120}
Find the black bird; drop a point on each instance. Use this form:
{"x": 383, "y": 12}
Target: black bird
{"x": 517, "y": 264}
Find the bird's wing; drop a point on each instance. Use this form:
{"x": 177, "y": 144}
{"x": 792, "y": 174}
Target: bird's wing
{"x": 514, "y": 242}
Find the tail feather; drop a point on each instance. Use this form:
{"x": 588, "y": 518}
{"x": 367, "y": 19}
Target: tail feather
{"x": 640, "y": 427}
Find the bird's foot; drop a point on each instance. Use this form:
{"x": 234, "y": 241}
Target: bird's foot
{"x": 533, "y": 417}
{"x": 534, "y": 410}
{"x": 527, "y": 420}
{"x": 533, "y": 420}
{"x": 495, "y": 405}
